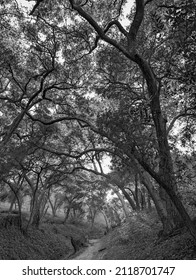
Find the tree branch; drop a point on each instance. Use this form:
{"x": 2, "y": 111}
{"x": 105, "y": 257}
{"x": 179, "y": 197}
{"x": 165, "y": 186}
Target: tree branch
{"x": 100, "y": 31}
{"x": 36, "y": 6}
{"x": 184, "y": 114}
{"x": 139, "y": 14}
{"x": 118, "y": 24}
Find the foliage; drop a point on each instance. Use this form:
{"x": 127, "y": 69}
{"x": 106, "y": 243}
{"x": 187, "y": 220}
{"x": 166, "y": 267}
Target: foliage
{"x": 137, "y": 240}
{"x": 51, "y": 241}
{"x": 76, "y": 86}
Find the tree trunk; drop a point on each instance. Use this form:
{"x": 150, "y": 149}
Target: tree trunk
{"x": 129, "y": 199}
{"x": 145, "y": 180}
{"x": 149, "y": 205}
{"x": 93, "y": 219}
{"x": 35, "y": 218}
{"x": 161, "y": 211}
{"x": 172, "y": 213}
{"x": 117, "y": 218}
{"x": 12, "y": 203}
{"x": 179, "y": 206}
{"x": 106, "y": 220}
{"x": 67, "y": 214}
{"x": 52, "y": 208}
{"x": 35, "y": 215}
{"x": 44, "y": 212}
{"x": 136, "y": 192}
{"x": 166, "y": 173}
{"x": 165, "y": 178}
{"x": 43, "y": 205}
{"x": 143, "y": 199}
{"x": 15, "y": 189}
{"x": 124, "y": 206}
{"x": 116, "y": 181}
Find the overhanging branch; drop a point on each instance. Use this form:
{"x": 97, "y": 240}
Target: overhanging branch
{"x": 100, "y": 31}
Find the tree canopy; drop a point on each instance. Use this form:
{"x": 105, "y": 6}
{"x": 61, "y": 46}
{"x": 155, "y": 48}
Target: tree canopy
{"x": 78, "y": 84}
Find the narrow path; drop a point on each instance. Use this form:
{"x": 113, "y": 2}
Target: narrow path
{"x": 92, "y": 252}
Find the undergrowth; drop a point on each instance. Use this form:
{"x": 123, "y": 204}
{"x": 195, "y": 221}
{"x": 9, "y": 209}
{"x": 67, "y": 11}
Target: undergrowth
{"x": 138, "y": 240}
{"x": 50, "y": 241}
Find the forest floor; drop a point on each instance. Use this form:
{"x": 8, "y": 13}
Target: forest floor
{"x": 136, "y": 239}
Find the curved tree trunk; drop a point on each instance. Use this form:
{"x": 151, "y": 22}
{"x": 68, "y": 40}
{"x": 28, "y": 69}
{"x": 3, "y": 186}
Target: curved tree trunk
{"x": 116, "y": 181}
{"x": 127, "y": 196}
{"x": 161, "y": 211}
{"x": 124, "y": 206}
{"x": 145, "y": 180}
{"x": 166, "y": 172}
{"x": 165, "y": 177}
{"x": 106, "y": 220}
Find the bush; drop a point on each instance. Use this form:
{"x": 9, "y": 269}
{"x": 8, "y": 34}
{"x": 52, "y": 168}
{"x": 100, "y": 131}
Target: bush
{"x": 36, "y": 244}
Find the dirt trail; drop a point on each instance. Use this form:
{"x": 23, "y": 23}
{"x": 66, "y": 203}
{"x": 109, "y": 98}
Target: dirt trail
{"x": 92, "y": 252}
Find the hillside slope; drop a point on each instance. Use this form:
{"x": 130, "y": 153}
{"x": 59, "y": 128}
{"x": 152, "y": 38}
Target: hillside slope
{"x": 138, "y": 240}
